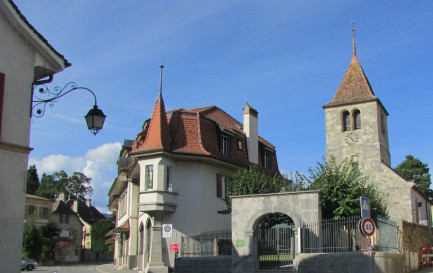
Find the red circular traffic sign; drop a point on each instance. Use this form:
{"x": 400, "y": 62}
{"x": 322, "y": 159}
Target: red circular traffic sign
{"x": 367, "y": 226}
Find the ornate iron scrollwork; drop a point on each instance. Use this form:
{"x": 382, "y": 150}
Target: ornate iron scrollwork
{"x": 43, "y": 96}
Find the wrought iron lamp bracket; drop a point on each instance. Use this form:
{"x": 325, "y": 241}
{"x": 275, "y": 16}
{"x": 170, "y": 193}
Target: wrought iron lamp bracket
{"x": 42, "y": 96}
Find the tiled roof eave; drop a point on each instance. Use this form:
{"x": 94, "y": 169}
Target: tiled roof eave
{"x": 37, "y": 34}
{"x": 333, "y": 105}
{"x": 191, "y": 156}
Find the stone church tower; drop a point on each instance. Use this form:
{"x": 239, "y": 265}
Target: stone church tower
{"x": 356, "y": 127}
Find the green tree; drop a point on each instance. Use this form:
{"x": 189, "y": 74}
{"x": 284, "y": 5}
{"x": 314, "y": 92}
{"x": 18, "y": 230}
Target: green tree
{"x": 253, "y": 181}
{"x": 76, "y": 186}
{"x": 341, "y": 186}
{"x": 98, "y": 231}
{"x": 49, "y": 233}
{"x": 413, "y": 168}
{"x": 32, "y": 243}
{"x": 32, "y": 180}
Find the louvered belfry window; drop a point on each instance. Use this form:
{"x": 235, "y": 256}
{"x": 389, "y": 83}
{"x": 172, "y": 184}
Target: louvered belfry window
{"x": 346, "y": 121}
{"x": 357, "y": 119}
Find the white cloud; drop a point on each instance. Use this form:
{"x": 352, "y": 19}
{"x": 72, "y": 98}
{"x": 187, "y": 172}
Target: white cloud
{"x": 98, "y": 164}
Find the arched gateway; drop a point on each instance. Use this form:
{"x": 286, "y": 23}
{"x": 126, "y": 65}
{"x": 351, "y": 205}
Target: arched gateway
{"x": 248, "y": 212}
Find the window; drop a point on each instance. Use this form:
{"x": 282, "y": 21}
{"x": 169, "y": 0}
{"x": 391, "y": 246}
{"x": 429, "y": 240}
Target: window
{"x": 169, "y": 179}
{"x": 346, "y": 121}
{"x": 149, "y": 177}
{"x": 64, "y": 218}
{"x": 31, "y": 210}
{"x": 239, "y": 145}
{"x": 267, "y": 160}
{"x": 122, "y": 204}
{"x": 223, "y": 185}
{"x": 356, "y": 119}
{"x": 383, "y": 124}
{"x": 44, "y": 213}
{"x": 225, "y": 145}
{"x": 71, "y": 234}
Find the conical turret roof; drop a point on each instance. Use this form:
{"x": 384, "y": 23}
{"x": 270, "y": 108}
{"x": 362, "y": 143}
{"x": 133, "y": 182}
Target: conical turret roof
{"x": 158, "y": 136}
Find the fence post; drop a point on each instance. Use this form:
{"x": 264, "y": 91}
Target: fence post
{"x": 298, "y": 240}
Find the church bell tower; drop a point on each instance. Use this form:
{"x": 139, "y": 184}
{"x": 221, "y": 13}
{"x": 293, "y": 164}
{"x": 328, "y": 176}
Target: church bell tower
{"x": 356, "y": 120}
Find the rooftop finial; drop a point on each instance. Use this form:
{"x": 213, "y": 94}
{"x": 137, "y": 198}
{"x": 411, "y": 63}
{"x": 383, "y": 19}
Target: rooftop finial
{"x": 159, "y": 99}
{"x": 353, "y": 34}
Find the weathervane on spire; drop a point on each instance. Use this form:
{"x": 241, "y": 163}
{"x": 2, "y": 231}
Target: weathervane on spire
{"x": 353, "y": 34}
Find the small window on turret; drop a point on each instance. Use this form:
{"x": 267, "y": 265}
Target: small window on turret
{"x": 346, "y": 121}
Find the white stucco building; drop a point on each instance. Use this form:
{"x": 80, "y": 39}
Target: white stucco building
{"x": 25, "y": 57}
{"x": 175, "y": 172}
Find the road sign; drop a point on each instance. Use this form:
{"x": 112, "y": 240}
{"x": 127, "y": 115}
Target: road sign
{"x": 167, "y": 231}
{"x": 370, "y": 246}
{"x": 367, "y": 226}
{"x": 174, "y": 247}
{"x": 365, "y": 207}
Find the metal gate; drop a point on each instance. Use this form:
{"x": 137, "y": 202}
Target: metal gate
{"x": 275, "y": 247}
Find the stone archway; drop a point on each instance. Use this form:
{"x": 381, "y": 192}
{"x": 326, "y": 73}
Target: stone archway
{"x": 248, "y": 210}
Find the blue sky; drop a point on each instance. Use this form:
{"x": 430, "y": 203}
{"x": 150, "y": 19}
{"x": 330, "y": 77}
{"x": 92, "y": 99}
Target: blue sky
{"x": 285, "y": 58}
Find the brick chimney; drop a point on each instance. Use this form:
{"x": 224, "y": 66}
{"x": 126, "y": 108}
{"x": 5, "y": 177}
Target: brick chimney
{"x": 251, "y": 130}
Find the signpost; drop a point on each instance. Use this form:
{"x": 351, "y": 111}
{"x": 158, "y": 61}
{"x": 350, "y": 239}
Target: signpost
{"x": 367, "y": 227}
{"x": 365, "y": 207}
{"x": 167, "y": 231}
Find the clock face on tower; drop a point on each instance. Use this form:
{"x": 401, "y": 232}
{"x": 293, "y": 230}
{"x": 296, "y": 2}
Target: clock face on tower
{"x": 351, "y": 138}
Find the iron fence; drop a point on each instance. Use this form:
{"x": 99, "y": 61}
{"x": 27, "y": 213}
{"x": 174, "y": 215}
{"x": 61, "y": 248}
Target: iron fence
{"x": 343, "y": 235}
{"x": 331, "y": 235}
{"x": 207, "y": 244}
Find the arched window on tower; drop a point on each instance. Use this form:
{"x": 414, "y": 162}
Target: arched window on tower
{"x": 356, "y": 119}
{"x": 346, "y": 121}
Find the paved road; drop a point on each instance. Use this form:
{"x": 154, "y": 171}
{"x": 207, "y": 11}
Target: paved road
{"x": 83, "y": 267}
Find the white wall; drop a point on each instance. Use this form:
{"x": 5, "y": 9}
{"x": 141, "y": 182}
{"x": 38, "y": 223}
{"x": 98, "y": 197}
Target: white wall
{"x": 16, "y": 62}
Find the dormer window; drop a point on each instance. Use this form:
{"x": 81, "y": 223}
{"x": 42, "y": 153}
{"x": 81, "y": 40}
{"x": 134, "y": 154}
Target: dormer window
{"x": 225, "y": 145}
{"x": 356, "y": 119}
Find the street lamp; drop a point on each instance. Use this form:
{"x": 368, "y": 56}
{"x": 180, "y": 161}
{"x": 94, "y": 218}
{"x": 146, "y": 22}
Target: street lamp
{"x": 95, "y": 117}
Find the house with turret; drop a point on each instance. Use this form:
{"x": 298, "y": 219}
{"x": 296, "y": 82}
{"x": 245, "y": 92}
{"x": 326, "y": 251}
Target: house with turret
{"x": 174, "y": 174}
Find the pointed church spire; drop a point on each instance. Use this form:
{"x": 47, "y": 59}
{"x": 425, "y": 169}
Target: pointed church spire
{"x": 158, "y": 136}
{"x": 354, "y": 87}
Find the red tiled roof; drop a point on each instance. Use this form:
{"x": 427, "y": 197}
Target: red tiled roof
{"x": 158, "y": 134}
{"x": 354, "y": 87}
{"x": 196, "y": 132}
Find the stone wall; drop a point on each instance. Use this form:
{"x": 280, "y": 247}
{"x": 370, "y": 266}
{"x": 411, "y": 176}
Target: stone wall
{"x": 213, "y": 264}
{"x": 415, "y": 236}
{"x": 358, "y": 262}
